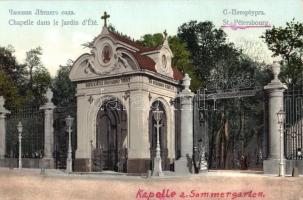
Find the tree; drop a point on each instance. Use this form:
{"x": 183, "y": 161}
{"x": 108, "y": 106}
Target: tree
{"x": 41, "y": 82}
{"x": 33, "y": 62}
{"x": 12, "y": 77}
{"x": 39, "y": 78}
{"x": 63, "y": 88}
{"x": 181, "y": 60}
{"x": 208, "y": 47}
{"x": 23, "y": 84}
{"x": 287, "y": 43}
{"x": 10, "y": 66}
{"x": 178, "y": 48}
{"x": 181, "y": 54}
{"x": 152, "y": 40}
{"x": 9, "y": 90}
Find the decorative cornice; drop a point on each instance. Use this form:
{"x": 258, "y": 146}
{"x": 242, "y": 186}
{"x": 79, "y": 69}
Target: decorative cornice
{"x": 131, "y": 73}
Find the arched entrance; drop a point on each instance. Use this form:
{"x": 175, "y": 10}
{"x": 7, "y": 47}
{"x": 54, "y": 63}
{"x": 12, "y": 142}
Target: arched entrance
{"x": 110, "y": 152}
{"x": 162, "y": 136}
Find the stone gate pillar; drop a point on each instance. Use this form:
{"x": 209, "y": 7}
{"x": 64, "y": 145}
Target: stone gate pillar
{"x": 274, "y": 91}
{"x": 3, "y": 113}
{"x": 48, "y": 160}
{"x": 184, "y": 164}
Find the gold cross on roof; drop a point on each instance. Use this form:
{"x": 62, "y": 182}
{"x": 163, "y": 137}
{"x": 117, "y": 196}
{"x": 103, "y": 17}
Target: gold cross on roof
{"x": 105, "y": 17}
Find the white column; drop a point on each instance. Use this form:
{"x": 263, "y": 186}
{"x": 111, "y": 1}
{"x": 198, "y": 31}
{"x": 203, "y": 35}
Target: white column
{"x": 184, "y": 164}
{"x": 86, "y": 131}
{"x": 138, "y": 116}
{"x": 274, "y": 91}
{"x": 138, "y": 139}
{"x": 48, "y": 130}
{"x": 3, "y": 113}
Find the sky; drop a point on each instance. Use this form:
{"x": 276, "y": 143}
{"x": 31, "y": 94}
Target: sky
{"x": 133, "y": 18}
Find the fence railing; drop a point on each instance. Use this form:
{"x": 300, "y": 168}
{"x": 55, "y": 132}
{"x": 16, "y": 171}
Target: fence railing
{"x": 293, "y": 130}
{"x": 61, "y": 136}
{"x": 32, "y": 120}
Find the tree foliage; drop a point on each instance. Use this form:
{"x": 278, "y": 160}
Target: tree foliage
{"x": 152, "y": 40}
{"x": 33, "y": 61}
{"x": 23, "y": 84}
{"x": 11, "y": 77}
{"x": 181, "y": 55}
{"x": 41, "y": 82}
{"x": 9, "y": 90}
{"x": 208, "y": 47}
{"x": 287, "y": 43}
{"x": 63, "y": 88}
{"x": 9, "y": 65}
{"x": 39, "y": 78}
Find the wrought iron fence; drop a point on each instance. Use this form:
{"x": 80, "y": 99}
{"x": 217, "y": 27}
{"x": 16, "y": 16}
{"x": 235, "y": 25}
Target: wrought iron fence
{"x": 61, "y": 136}
{"x": 293, "y": 129}
{"x": 32, "y": 120}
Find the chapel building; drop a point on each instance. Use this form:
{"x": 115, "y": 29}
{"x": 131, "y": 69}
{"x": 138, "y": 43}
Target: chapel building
{"x": 119, "y": 84}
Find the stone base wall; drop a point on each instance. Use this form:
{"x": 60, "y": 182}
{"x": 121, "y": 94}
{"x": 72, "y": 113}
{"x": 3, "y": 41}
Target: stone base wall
{"x": 27, "y": 163}
{"x": 291, "y": 164}
{"x": 272, "y": 166}
{"x": 138, "y": 166}
{"x": 82, "y": 165}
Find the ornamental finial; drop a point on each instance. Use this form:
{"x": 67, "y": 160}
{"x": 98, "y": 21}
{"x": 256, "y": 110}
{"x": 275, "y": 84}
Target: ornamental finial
{"x": 165, "y": 34}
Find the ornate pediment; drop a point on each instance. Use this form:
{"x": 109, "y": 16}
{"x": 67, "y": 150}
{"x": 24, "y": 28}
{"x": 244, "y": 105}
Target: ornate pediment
{"x": 163, "y": 62}
{"x": 162, "y": 57}
{"x": 112, "y": 53}
{"x": 106, "y": 57}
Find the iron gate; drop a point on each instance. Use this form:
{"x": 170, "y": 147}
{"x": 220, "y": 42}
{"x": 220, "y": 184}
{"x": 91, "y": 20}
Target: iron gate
{"x": 229, "y": 123}
{"x": 293, "y": 130}
{"x": 61, "y": 135}
{"x": 32, "y": 120}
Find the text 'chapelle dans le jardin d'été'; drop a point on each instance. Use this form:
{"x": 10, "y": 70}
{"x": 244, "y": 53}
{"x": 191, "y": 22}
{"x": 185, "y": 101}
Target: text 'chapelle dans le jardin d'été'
{"x": 48, "y": 18}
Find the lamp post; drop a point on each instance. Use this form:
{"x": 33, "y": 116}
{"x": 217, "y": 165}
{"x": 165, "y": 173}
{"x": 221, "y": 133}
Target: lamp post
{"x": 281, "y": 120}
{"x": 69, "y": 162}
{"x": 157, "y": 171}
{"x": 20, "y": 128}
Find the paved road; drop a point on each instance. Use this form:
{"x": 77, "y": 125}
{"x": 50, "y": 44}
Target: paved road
{"x": 55, "y": 185}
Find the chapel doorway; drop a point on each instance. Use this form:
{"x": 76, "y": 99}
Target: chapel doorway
{"x": 109, "y": 151}
{"x": 162, "y": 136}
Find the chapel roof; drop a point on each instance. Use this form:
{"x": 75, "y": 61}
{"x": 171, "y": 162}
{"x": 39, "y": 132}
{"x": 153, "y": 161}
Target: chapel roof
{"x": 144, "y": 61}
{"x": 129, "y": 41}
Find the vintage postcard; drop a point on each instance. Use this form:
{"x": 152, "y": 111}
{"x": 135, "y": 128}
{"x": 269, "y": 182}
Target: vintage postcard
{"x": 150, "y": 99}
